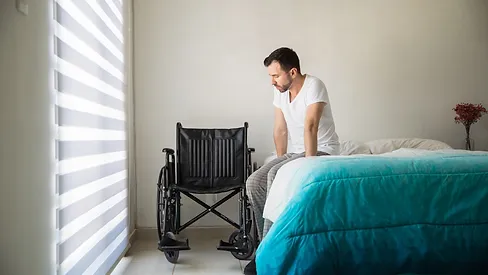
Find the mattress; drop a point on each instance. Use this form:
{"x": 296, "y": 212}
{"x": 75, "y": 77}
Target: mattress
{"x": 290, "y": 176}
{"x": 413, "y": 212}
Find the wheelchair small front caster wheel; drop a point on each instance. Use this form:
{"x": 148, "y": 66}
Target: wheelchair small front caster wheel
{"x": 171, "y": 255}
{"x": 245, "y": 244}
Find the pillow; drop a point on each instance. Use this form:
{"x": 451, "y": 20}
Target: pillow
{"x": 352, "y": 147}
{"x": 381, "y": 146}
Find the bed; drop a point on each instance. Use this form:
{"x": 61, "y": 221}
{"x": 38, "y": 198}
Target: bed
{"x": 380, "y": 211}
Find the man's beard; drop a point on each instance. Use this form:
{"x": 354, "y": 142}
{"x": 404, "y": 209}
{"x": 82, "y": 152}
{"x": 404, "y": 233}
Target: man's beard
{"x": 285, "y": 87}
{"x": 282, "y": 89}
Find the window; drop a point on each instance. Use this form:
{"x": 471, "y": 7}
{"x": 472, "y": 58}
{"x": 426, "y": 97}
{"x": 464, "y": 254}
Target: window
{"x": 91, "y": 145}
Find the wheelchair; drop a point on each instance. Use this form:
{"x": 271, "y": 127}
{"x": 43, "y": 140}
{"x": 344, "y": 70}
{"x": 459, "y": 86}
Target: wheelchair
{"x": 207, "y": 161}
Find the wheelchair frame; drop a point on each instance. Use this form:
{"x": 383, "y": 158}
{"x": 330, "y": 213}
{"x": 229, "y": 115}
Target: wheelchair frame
{"x": 241, "y": 244}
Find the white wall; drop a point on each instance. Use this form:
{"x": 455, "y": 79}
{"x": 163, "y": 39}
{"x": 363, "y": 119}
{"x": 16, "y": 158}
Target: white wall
{"x": 26, "y": 174}
{"x": 392, "y": 68}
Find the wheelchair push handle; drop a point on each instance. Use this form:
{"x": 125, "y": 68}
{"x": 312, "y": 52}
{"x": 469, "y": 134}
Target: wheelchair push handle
{"x": 170, "y": 154}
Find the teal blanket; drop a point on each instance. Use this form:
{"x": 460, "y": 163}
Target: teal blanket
{"x": 420, "y": 215}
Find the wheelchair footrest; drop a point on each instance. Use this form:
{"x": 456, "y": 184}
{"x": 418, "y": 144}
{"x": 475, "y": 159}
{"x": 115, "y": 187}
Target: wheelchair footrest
{"x": 225, "y": 246}
{"x": 170, "y": 244}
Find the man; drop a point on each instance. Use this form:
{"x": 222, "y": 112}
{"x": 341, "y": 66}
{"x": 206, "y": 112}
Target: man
{"x": 302, "y": 111}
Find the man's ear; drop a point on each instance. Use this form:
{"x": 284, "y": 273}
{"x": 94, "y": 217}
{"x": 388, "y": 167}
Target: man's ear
{"x": 293, "y": 72}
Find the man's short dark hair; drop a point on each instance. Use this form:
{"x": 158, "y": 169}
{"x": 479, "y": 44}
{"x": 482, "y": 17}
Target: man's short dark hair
{"x": 286, "y": 57}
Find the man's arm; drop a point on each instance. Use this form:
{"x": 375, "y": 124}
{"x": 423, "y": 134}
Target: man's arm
{"x": 312, "y": 119}
{"x": 280, "y": 133}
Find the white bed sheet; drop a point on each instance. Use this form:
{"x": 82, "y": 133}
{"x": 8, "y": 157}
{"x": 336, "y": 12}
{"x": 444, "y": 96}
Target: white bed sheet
{"x": 282, "y": 190}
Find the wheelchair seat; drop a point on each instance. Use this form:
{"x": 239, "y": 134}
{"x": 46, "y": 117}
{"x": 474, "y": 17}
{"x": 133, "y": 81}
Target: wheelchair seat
{"x": 206, "y": 161}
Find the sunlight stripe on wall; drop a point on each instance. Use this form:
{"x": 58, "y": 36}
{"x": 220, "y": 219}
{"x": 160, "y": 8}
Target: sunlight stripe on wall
{"x": 91, "y": 142}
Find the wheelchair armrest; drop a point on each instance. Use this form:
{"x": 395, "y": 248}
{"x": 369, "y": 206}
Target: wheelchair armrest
{"x": 169, "y": 151}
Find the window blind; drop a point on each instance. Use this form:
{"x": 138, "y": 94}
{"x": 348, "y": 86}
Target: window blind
{"x": 92, "y": 170}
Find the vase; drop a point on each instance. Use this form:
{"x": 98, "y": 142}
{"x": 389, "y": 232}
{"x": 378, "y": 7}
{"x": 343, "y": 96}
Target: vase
{"x": 469, "y": 142}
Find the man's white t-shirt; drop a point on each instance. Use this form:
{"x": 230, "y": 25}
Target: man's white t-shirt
{"x": 313, "y": 91}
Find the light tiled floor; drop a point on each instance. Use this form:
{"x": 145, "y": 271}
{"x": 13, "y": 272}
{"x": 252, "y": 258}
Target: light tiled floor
{"x": 203, "y": 258}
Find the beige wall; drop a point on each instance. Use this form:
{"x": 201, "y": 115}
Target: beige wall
{"x": 392, "y": 68}
{"x": 26, "y": 174}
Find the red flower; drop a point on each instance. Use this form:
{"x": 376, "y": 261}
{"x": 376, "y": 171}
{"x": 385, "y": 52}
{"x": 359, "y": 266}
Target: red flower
{"x": 468, "y": 113}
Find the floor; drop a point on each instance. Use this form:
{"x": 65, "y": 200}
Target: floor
{"x": 203, "y": 258}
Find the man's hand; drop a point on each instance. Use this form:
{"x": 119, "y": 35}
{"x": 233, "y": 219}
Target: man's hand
{"x": 280, "y": 133}
{"x": 312, "y": 119}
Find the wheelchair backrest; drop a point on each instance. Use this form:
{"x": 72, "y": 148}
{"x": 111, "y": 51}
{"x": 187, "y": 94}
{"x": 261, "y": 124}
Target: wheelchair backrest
{"x": 209, "y": 159}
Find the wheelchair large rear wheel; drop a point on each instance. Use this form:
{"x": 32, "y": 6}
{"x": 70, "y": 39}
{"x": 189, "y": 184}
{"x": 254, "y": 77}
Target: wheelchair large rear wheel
{"x": 160, "y": 213}
{"x": 237, "y": 238}
{"x": 166, "y": 222}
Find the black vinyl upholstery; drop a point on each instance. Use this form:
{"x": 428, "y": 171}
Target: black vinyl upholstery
{"x": 211, "y": 160}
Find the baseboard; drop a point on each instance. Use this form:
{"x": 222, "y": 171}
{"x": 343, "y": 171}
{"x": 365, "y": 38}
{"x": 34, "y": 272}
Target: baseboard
{"x": 132, "y": 236}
